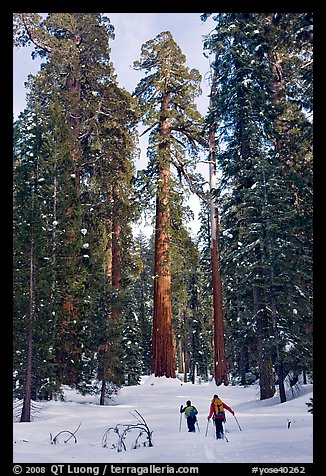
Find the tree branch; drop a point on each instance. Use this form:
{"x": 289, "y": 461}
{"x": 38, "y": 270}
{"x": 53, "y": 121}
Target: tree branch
{"x": 193, "y": 188}
{"x": 149, "y": 128}
{"x": 36, "y": 41}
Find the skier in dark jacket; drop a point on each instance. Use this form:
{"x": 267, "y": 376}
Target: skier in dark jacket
{"x": 190, "y": 411}
{"x": 217, "y": 410}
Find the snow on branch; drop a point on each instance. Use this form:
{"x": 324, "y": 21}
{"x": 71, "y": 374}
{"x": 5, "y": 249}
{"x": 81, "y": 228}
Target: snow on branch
{"x": 55, "y": 440}
{"x": 132, "y": 435}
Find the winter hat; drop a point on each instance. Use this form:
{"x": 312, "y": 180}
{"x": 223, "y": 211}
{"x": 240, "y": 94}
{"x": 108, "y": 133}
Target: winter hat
{"x": 188, "y": 402}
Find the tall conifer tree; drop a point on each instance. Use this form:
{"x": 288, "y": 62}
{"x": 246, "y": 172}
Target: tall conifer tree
{"x": 92, "y": 130}
{"x": 166, "y": 95}
{"x": 257, "y": 93}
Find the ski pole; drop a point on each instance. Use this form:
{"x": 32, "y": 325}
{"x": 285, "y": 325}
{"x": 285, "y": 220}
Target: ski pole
{"x": 180, "y": 421}
{"x": 207, "y": 427}
{"x": 197, "y": 425}
{"x": 237, "y": 422}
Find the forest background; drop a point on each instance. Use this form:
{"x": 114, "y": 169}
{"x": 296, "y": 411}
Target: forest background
{"x": 86, "y": 289}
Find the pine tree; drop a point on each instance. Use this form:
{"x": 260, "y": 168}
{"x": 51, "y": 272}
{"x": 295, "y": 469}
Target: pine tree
{"x": 183, "y": 261}
{"x": 132, "y": 344}
{"x": 143, "y": 297}
{"x": 32, "y": 214}
{"x": 257, "y": 116}
{"x": 193, "y": 322}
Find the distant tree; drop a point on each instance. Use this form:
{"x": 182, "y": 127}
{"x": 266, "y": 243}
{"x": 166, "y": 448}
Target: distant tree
{"x": 183, "y": 261}
{"x": 143, "y": 297}
{"x": 192, "y": 321}
{"x": 118, "y": 145}
{"x": 132, "y": 344}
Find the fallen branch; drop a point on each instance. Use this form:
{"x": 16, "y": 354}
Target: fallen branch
{"x": 55, "y": 440}
{"x": 122, "y": 432}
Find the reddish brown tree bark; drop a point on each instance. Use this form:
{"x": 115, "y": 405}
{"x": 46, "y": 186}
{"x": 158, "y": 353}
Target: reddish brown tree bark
{"x": 116, "y": 254}
{"x": 220, "y": 363}
{"x": 71, "y": 352}
{"x": 163, "y": 357}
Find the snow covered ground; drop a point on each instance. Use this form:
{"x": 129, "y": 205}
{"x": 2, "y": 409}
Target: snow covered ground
{"x": 266, "y": 435}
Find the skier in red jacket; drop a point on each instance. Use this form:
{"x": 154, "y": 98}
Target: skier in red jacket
{"x": 217, "y": 410}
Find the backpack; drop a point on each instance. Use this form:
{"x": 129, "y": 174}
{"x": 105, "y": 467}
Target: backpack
{"x": 219, "y": 409}
{"x": 191, "y": 411}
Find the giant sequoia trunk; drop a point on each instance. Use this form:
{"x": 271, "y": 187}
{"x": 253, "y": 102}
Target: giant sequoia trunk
{"x": 163, "y": 358}
{"x": 74, "y": 123}
{"x": 116, "y": 256}
{"x": 220, "y": 364}
{"x": 70, "y": 352}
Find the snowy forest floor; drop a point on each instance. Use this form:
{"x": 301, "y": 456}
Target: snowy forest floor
{"x": 266, "y": 435}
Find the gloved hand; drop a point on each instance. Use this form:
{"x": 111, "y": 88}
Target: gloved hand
{"x": 181, "y": 408}
{"x": 208, "y": 418}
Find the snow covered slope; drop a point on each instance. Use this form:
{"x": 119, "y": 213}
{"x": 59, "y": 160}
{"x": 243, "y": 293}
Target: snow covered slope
{"x": 271, "y": 432}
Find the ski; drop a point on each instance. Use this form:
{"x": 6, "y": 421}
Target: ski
{"x": 225, "y": 438}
